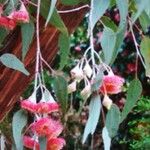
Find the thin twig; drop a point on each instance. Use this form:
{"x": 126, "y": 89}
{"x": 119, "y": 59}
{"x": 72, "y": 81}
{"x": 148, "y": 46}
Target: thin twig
{"x": 73, "y": 10}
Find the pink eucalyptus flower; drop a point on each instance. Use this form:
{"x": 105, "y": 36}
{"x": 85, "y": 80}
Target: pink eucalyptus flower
{"x": 21, "y": 15}
{"x": 46, "y": 107}
{"x": 112, "y": 84}
{"x": 55, "y": 144}
{"x": 28, "y": 105}
{"x": 47, "y": 127}
{"x": 7, "y": 23}
{"x": 30, "y": 143}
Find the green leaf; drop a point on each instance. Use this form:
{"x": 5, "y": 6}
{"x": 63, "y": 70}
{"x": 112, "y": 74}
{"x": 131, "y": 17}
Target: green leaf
{"x": 27, "y": 32}
{"x": 98, "y": 8}
{"x": 11, "y": 61}
{"x": 109, "y": 23}
{"x": 18, "y": 123}
{"x": 145, "y": 50}
{"x": 94, "y": 113}
{"x": 144, "y": 21}
{"x": 60, "y": 88}
{"x": 123, "y": 10}
{"x": 43, "y": 143}
{"x": 113, "y": 120}
{"x": 3, "y": 34}
{"x": 141, "y": 5}
{"x": 73, "y": 2}
{"x": 134, "y": 92}
{"x": 108, "y": 44}
{"x": 52, "y": 6}
{"x": 64, "y": 46}
{"x": 106, "y": 139}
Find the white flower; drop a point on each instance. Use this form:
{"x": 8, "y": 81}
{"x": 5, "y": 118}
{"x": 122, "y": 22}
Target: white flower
{"x": 72, "y": 87}
{"x": 86, "y": 92}
{"x": 77, "y": 73}
{"x": 87, "y": 70}
{"x": 107, "y": 102}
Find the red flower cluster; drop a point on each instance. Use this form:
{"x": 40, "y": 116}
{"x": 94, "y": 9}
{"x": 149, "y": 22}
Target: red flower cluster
{"x": 112, "y": 84}
{"x": 44, "y": 126}
{"x": 16, "y": 16}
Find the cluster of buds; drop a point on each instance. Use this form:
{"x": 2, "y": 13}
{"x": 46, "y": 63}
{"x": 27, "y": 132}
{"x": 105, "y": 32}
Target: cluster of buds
{"x": 82, "y": 71}
{"x": 44, "y": 125}
{"x": 16, "y": 16}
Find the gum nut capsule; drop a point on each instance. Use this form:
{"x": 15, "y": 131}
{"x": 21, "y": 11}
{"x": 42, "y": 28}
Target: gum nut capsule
{"x": 87, "y": 70}
{"x": 107, "y": 102}
{"x": 86, "y": 92}
{"x": 72, "y": 87}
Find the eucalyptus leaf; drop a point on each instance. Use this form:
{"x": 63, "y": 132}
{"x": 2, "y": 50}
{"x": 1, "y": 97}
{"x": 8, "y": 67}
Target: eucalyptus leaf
{"x": 27, "y": 32}
{"x": 108, "y": 41}
{"x": 3, "y": 34}
{"x": 98, "y": 8}
{"x": 106, "y": 139}
{"x": 64, "y": 46}
{"x": 134, "y": 92}
{"x": 52, "y": 6}
{"x": 73, "y": 2}
{"x": 18, "y": 123}
{"x": 11, "y": 61}
{"x": 113, "y": 120}
{"x": 60, "y": 88}
{"x": 145, "y": 50}
{"x": 43, "y": 143}
{"x": 94, "y": 113}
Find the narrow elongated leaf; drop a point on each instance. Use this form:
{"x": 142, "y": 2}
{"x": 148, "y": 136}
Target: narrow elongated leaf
{"x": 18, "y": 123}
{"x": 113, "y": 120}
{"x": 141, "y": 5}
{"x": 106, "y": 139}
{"x": 3, "y": 34}
{"x": 134, "y": 92}
{"x": 144, "y": 21}
{"x": 73, "y": 2}
{"x": 145, "y": 50}
{"x": 60, "y": 88}
{"x": 43, "y": 143}
{"x": 123, "y": 10}
{"x": 108, "y": 44}
{"x": 52, "y": 6}
{"x": 11, "y": 61}
{"x": 64, "y": 46}
{"x": 94, "y": 113}
{"x": 27, "y": 32}
{"x": 98, "y": 9}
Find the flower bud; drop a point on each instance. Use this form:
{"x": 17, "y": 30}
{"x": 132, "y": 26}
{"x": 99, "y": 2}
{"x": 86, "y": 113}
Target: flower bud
{"x": 87, "y": 70}
{"x": 72, "y": 87}
{"x": 77, "y": 73}
{"x": 107, "y": 102}
{"x": 86, "y": 92}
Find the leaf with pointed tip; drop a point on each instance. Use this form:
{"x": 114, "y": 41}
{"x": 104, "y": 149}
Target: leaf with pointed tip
{"x": 113, "y": 120}
{"x": 145, "y": 50}
{"x": 11, "y": 61}
{"x": 98, "y": 9}
{"x": 18, "y": 123}
{"x": 106, "y": 139}
{"x": 52, "y": 6}
{"x": 94, "y": 113}
{"x": 134, "y": 92}
{"x": 27, "y": 32}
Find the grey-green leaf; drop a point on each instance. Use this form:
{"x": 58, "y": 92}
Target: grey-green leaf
{"x": 98, "y": 9}
{"x": 11, "y": 61}
{"x": 52, "y": 6}
{"x": 64, "y": 46}
{"x": 134, "y": 92}
{"x": 141, "y": 5}
{"x": 145, "y": 50}
{"x": 123, "y": 10}
{"x": 113, "y": 120}
{"x": 108, "y": 42}
{"x": 18, "y": 123}
{"x": 60, "y": 87}
{"x": 43, "y": 143}
{"x": 106, "y": 139}
{"x": 94, "y": 113}
{"x": 27, "y": 32}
